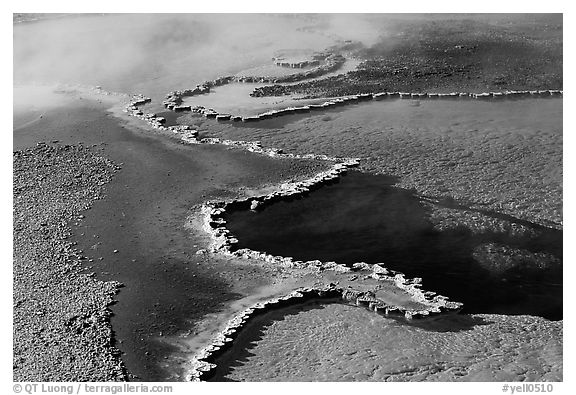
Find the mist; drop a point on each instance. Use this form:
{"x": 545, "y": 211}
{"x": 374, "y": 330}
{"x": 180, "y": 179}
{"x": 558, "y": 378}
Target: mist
{"x": 150, "y": 53}
{"x": 153, "y": 54}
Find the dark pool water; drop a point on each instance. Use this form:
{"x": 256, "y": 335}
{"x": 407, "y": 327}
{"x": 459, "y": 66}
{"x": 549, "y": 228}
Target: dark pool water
{"x": 364, "y": 218}
{"x": 171, "y": 117}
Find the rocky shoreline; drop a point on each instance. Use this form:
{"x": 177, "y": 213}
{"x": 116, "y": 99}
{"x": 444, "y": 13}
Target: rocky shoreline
{"x": 340, "y": 101}
{"x": 203, "y": 365}
{"x": 222, "y": 242}
{"x": 61, "y": 313}
{"x": 449, "y": 54}
{"x": 158, "y": 122}
{"x": 332, "y": 62}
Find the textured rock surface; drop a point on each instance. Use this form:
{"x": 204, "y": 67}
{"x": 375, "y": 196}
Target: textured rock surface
{"x": 343, "y": 343}
{"x": 415, "y": 305}
{"x": 453, "y": 53}
{"x": 61, "y": 317}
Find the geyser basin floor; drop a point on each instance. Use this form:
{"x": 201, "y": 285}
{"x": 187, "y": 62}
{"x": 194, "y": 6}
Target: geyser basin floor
{"x": 136, "y": 235}
{"x": 337, "y": 342}
{"x": 364, "y": 218}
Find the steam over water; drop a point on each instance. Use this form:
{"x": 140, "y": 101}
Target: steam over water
{"x": 154, "y": 54}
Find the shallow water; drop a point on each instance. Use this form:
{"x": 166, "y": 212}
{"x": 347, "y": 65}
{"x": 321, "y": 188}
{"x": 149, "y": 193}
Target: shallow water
{"x": 504, "y": 155}
{"x": 365, "y": 218}
{"x": 30, "y": 103}
{"x": 136, "y": 236}
{"x": 235, "y": 98}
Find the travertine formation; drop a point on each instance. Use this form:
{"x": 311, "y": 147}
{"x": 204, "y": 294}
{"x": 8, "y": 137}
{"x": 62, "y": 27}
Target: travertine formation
{"x": 325, "y": 63}
{"x": 331, "y": 62}
{"x": 316, "y": 59}
{"x": 203, "y": 364}
{"x": 334, "y": 342}
{"x": 296, "y": 65}
{"x": 156, "y": 122}
{"x": 174, "y": 101}
{"x": 223, "y": 242}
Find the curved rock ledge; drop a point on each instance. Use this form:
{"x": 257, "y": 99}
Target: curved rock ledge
{"x": 157, "y": 122}
{"x": 296, "y": 65}
{"x": 315, "y": 60}
{"x": 222, "y": 240}
{"x": 203, "y": 364}
{"x": 175, "y": 99}
{"x": 332, "y": 62}
{"x": 191, "y": 136}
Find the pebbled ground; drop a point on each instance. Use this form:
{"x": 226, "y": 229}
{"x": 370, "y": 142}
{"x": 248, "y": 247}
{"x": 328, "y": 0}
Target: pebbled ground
{"x": 61, "y": 317}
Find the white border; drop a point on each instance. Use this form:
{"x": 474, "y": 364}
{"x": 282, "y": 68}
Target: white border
{"x": 356, "y": 6}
